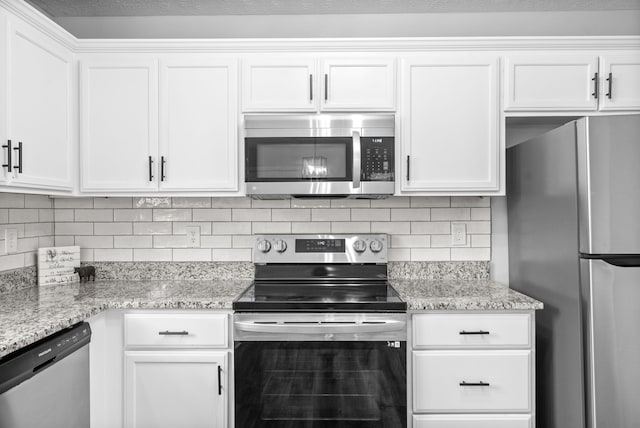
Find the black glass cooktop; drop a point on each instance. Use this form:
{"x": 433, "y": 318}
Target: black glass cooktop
{"x": 336, "y": 296}
{"x": 320, "y": 287}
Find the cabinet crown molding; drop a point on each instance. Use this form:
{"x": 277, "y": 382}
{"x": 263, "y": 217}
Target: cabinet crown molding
{"x": 387, "y": 44}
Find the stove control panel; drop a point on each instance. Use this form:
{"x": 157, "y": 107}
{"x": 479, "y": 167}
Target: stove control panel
{"x": 366, "y": 248}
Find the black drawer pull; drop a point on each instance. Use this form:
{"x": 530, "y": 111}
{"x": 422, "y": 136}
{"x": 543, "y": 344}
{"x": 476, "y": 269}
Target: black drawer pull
{"x": 219, "y": 380}
{"x": 463, "y": 383}
{"x": 476, "y": 332}
{"x": 173, "y": 333}
{"x": 596, "y": 86}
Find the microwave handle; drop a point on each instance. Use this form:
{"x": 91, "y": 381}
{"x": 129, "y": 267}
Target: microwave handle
{"x": 357, "y": 159}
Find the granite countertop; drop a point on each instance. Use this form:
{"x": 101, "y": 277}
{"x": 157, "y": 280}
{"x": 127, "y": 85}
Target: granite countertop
{"x": 455, "y": 294}
{"x": 33, "y": 313}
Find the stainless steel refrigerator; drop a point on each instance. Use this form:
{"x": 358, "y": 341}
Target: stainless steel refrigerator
{"x": 573, "y": 197}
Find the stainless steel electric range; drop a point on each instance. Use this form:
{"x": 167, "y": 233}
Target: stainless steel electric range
{"x": 320, "y": 336}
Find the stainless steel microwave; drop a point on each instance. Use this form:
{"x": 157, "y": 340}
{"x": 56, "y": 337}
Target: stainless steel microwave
{"x": 307, "y": 155}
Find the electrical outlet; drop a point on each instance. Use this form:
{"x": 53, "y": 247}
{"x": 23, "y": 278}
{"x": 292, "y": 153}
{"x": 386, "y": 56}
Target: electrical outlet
{"x": 193, "y": 236}
{"x": 458, "y": 234}
{"x": 11, "y": 241}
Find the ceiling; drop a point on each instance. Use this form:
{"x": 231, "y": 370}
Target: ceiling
{"x": 92, "y": 8}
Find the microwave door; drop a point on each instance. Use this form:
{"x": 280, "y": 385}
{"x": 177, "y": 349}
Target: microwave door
{"x": 299, "y": 159}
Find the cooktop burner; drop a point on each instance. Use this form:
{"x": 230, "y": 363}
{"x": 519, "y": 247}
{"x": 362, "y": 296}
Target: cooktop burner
{"x": 320, "y": 273}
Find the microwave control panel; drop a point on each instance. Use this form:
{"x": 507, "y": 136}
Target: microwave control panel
{"x": 377, "y": 158}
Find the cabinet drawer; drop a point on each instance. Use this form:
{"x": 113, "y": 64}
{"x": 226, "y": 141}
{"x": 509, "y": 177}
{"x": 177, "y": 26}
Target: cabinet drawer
{"x": 176, "y": 330}
{"x": 472, "y": 421}
{"x": 471, "y": 330}
{"x": 471, "y": 381}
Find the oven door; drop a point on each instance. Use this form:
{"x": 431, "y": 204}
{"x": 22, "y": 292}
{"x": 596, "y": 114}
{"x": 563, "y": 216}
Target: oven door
{"x": 347, "y": 376}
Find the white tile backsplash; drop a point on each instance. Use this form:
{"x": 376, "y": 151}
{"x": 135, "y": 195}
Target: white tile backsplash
{"x": 153, "y": 228}
{"x": 139, "y": 214}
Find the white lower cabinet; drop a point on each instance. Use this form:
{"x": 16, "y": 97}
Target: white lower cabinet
{"x": 175, "y": 388}
{"x": 472, "y": 421}
{"x": 161, "y": 368}
{"x": 472, "y": 369}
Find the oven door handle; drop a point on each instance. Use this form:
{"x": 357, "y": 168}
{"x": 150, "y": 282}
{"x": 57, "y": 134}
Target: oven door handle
{"x": 321, "y": 327}
{"x": 357, "y": 159}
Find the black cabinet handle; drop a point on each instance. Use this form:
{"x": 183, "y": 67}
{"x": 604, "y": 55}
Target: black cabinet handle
{"x": 8, "y": 164}
{"x": 595, "y": 86}
{"x": 408, "y": 167}
{"x": 311, "y": 87}
{"x": 610, "y": 81}
{"x": 173, "y": 333}
{"x": 219, "y": 380}
{"x": 19, "y": 150}
{"x": 326, "y": 87}
{"x": 463, "y": 383}
{"x": 463, "y": 332}
{"x": 150, "y": 168}
{"x": 162, "y": 162}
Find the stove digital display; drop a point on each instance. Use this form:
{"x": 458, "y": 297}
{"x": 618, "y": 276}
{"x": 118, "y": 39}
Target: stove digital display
{"x": 320, "y": 245}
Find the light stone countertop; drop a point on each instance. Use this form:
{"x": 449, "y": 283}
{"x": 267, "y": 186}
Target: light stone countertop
{"x": 452, "y": 294}
{"x": 31, "y": 314}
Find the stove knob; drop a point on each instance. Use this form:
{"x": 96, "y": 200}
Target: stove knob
{"x": 280, "y": 246}
{"x": 359, "y": 246}
{"x": 376, "y": 246}
{"x": 264, "y": 246}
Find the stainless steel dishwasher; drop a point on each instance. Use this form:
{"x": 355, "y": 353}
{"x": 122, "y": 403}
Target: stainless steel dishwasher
{"x": 47, "y": 383}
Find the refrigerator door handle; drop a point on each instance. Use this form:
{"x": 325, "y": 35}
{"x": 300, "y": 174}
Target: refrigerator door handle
{"x": 619, "y": 260}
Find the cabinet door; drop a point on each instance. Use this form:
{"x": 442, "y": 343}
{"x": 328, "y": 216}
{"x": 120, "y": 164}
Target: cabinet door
{"x": 285, "y": 84}
{"x": 450, "y": 128}
{"x": 358, "y": 84}
{"x": 540, "y": 82}
{"x": 620, "y": 82}
{"x": 39, "y": 108}
{"x": 198, "y": 122}
{"x": 119, "y": 124}
{"x": 175, "y": 389}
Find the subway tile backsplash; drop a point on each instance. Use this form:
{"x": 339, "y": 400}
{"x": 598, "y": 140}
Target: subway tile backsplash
{"x": 148, "y": 229}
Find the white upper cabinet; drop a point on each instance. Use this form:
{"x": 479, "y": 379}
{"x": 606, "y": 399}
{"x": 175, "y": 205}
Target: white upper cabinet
{"x": 572, "y": 82}
{"x": 198, "y": 124}
{"x": 551, "y": 81}
{"x": 358, "y": 84}
{"x": 283, "y": 84}
{"x": 449, "y": 132}
{"x": 39, "y": 78}
{"x": 118, "y": 124}
{"x": 289, "y": 84}
{"x": 170, "y": 127}
{"x": 620, "y": 87}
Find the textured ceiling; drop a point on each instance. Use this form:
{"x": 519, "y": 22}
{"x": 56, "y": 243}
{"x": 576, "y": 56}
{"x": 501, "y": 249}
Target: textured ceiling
{"x": 79, "y": 8}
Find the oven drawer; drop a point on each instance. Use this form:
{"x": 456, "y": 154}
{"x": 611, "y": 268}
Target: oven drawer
{"x": 472, "y": 421}
{"x": 471, "y": 330}
{"x": 472, "y": 381}
{"x": 176, "y": 330}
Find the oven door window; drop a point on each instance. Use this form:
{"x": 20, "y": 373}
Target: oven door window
{"x": 298, "y": 159}
{"x": 320, "y": 384}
